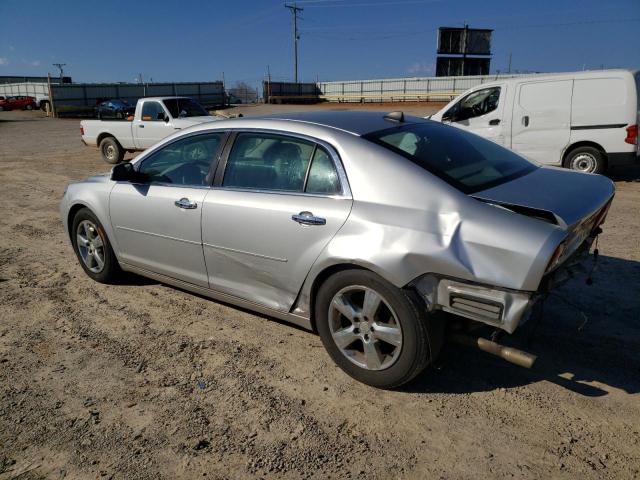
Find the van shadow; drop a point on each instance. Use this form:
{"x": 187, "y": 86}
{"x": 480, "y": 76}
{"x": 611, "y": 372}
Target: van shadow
{"x": 587, "y": 341}
{"x": 629, "y": 173}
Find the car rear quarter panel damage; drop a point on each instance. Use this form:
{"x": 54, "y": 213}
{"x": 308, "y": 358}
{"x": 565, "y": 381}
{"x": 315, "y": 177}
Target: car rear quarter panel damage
{"x": 416, "y": 224}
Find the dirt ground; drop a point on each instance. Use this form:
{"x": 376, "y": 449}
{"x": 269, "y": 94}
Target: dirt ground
{"x": 141, "y": 380}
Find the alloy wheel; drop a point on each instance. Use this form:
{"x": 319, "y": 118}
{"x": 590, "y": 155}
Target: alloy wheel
{"x": 90, "y": 246}
{"x": 365, "y": 328}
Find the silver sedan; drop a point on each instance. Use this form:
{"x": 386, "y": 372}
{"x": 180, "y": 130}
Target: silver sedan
{"x": 377, "y": 231}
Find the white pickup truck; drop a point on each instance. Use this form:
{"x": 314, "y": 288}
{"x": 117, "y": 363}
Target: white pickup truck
{"x": 155, "y": 118}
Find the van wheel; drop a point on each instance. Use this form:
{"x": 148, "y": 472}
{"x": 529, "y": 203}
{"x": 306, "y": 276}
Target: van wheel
{"x": 377, "y": 333}
{"x": 111, "y": 150}
{"x": 586, "y": 159}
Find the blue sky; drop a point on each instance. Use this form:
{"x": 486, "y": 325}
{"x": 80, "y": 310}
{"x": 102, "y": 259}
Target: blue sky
{"x": 114, "y": 40}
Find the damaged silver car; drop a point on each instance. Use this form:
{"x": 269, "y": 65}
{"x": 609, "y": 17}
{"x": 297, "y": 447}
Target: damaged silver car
{"x": 374, "y": 230}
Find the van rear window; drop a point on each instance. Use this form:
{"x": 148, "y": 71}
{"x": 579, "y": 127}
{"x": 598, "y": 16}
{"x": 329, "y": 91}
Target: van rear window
{"x": 466, "y": 161}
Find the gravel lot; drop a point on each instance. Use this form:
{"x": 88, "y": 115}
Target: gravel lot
{"x": 141, "y": 380}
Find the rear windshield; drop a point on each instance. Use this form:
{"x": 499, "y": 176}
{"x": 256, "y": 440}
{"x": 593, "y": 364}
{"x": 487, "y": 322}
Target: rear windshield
{"x": 184, "y": 107}
{"x": 466, "y": 161}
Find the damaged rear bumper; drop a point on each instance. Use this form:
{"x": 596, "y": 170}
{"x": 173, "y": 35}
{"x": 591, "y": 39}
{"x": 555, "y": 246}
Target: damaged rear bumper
{"x": 499, "y": 307}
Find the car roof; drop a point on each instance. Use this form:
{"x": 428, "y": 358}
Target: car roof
{"x": 354, "y": 122}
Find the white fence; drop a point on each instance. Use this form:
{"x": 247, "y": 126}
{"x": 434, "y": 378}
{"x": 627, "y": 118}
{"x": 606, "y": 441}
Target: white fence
{"x": 402, "y": 89}
{"x": 36, "y": 90}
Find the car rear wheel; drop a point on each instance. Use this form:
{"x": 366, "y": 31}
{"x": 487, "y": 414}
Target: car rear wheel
{"x": 376, "y": 332}
{"x": 111, "y": 150}
{"x": 93, "y": 248}
{"x": 29, "y": 107}
{"x": 586, "y": 159}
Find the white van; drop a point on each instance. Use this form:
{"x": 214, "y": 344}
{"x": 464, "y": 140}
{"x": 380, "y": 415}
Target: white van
{"x": 586, "y": 121}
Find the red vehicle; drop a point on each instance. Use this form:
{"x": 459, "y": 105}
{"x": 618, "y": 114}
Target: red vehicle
{"x": 20, "y": 102}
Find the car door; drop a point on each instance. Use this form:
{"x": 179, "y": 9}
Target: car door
{"x": 480, "y": 112}
{"x": 277, "y": 201}
{"x": 541, "y": 121}
{"x": 157, "y": 221}
{"x": 153, "y": 125}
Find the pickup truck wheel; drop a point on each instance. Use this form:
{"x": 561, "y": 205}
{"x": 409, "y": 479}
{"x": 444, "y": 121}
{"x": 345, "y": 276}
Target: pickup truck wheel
{"x": 111, "y": 150}
{"x": 586, "y": 159}
{"x": 377, "y": 333}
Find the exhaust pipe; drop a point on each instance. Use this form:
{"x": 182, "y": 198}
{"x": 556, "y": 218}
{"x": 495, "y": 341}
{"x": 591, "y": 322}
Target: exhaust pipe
{"x": 510, "y": 354}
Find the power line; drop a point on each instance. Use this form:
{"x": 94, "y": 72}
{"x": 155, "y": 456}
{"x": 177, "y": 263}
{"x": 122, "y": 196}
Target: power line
{"x": 295, "y": 11}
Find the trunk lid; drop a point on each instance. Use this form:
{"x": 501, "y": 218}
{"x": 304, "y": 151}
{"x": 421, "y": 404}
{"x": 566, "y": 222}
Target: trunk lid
{"x": 569, "y": 196}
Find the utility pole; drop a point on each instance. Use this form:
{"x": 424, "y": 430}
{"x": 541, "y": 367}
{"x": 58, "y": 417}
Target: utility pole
{"x": 294, "y": 11}
{"x": 60, "y": 65}
{"x": 509, "y": 69}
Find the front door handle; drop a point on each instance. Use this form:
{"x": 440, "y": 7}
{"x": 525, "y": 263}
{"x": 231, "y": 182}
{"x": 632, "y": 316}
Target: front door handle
{"x": 307, "y": 218}
{"x": 525, "y": 120}
{"x": 495, "y": 121}
{"x": 186, "y": 204}
{"x": 141, "y": 126}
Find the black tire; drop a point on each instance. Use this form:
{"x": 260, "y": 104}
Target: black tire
{"x": 111, "y": 270}
{"x": 111, "y": 150}
{"x": 29, "y": 107}
{"x": 422, "y": 334}
{"x": 586, "y": 159}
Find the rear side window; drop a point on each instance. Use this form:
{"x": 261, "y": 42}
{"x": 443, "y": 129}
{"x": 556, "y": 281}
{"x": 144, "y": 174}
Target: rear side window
{"x": 263, "y": 161}
{"x": 322, "y": 177}
{"x": 152, "y": 112}
{"x": 466, "y": 161}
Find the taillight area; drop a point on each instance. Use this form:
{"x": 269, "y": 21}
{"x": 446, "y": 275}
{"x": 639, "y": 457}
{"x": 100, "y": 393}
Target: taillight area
{"x": 81, "y": 130}
{"x": 555, "y": 258}
{"x": 602, "y": 214}
{"x": 632, "y": 134}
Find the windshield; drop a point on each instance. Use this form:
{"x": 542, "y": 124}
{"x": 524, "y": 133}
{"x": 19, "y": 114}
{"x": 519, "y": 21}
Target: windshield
{"x": 464, "y": 160}
{"x": 184, "y": 107}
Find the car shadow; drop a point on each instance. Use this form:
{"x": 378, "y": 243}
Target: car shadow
{"x": 629, "y": 173}
{"x": 587, "y": 340}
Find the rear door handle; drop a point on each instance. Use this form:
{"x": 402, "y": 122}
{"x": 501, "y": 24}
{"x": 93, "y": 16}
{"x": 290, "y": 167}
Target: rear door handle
{"x": 141, "y": 126}
{"x": 495, "y": 121}
{"x": 307, "y": 218}
{"x": 185, "y": 204}
{"x": 525, "y": 120}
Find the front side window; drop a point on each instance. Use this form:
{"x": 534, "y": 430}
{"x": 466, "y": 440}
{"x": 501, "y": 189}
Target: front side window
{"x": 152, "y": 112}
{"x": 262, "y": 161}
{"x": 475, "y": 104}
{"x": 184, "y": 107}
{"x": 183, "y": 162}
{"x": 466, "y": 161}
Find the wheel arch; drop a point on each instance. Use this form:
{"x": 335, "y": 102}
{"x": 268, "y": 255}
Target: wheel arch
{"x": 327, "y": 271}
{"x": 583, "y": 143}
{"x": 73, "y": 211}
{"x": 104, "y": 135}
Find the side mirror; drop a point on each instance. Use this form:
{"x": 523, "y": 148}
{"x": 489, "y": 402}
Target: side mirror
{"x": 124, "y": 172}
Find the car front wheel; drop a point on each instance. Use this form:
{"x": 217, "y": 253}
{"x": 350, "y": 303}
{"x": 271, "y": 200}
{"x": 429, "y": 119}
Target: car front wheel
{"x": 93, "y": 248}
{"x": 377, "y": 333}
